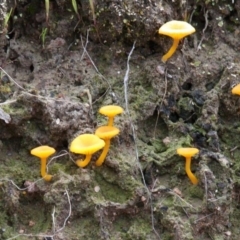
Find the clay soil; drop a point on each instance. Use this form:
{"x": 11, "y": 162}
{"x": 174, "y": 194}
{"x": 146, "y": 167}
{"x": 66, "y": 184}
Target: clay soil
{"x": 57, "y": 71}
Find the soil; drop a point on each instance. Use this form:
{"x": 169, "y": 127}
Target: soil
{"x": 57, "y": 72}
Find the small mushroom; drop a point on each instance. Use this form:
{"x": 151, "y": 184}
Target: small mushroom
{"x": 110, "y": 111}
{"x": 86, "y": 144}
{"x": 106, "y": 133}
{"x": 176, "y": 30}
{"x": 188, "y": 153}
{"x": 43, "y": 152}
{"x": 236, "y": 89}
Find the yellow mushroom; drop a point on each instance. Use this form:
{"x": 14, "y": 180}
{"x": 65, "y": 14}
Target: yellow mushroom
{"x": 176, "y": 30}
{"x": 43, "y": 152}
{"x": 236, "y": 89}
{"x": 86, "y": 144}
{"x": 106, "y": 133}
{"x": 188, "y": 153}
{"x": 110, "y": 111}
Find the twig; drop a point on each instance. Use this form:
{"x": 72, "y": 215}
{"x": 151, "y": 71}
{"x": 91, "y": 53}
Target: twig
{"x": 12, "y": 79}
{"x": 53, "y": 219}
{"x": 69, "y": 213}
{"x": 125, "y": 81}
{"x": 205, "y": 186}
{"x": 203, "y": 31}
{"x": 203, "y": 218}
{"x": 85, "y": 46}
{"x": 31, "y": 235}
{"x": 15, "y": 185}
{"x": 176, "y": 195}
{"x": 95, "y": 67}
{"x": 30, "y": 94}
{"x": 60, "y": 154}
{"x": 164, "y": 95}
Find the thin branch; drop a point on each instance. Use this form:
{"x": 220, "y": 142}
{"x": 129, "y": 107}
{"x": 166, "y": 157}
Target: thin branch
{"x": 94, "y": 65}
{"x": 30, "y": 94}
{"x": 164, "y": 95}
{"x": 125, "y": 81}
{"x": 12, "y": 79}
{"x": 203, "y": 31}
{"x": 69, "y": 213}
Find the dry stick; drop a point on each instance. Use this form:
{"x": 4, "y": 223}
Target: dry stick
{"x": 199, "y": 219}
{"x": 61, "y": 154}
{"x": 48, "y": 98}
{"x": 12, "y": 79}
{"x": 30, "y": 94}
{"x": 176, "y": 195}
{"x": 16, "y": 186}
{"x": 95, "y": 67}
{"x": 69, "y": 213}
{"x": 85, "y": 46}
{"x": 53, "y": 220}
{"x": 205, "y": 186}
{"x": 203, "y": 31}
{"x": 164, "y": 95}
{"x": 125, "y": 81}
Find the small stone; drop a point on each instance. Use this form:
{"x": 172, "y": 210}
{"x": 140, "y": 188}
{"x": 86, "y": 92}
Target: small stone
{"x": 96, "y": 188}
{"x": 166, "y": 140}
{"x": 21, "y": 231}
{"x": 31, "y": 223}
{"x": 228, "y": 233}
{"x": 177, "y": 191}
{"x": 143, "y": 198}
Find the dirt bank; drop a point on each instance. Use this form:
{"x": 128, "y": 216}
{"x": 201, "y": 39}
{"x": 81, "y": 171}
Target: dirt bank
{"x": 57, "y": 72}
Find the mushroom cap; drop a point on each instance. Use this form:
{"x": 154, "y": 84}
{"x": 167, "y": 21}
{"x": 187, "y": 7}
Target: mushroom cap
{"x": 176, "y": 29}
{"x": 107, "y": 132}
{"x": 86, "y": 144}
{"x": 187, "y": 152}
{"x": 43, "y": 151}
{"x": 111, "y": 110}
{"x": 236, "y": 89}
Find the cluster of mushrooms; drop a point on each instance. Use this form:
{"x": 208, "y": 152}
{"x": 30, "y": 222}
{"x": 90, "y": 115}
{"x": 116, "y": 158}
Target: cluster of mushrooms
{"x": 86, "y": 144}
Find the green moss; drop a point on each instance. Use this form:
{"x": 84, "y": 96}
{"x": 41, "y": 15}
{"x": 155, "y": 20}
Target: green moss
{"x": 111, "y": 190}
{"x": 56, "y": 168}
{"x": 195, "y": 192}
{"x": 139, "y": 229}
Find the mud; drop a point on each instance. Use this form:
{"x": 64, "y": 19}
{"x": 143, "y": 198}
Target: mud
{"x": 57, "y": 73}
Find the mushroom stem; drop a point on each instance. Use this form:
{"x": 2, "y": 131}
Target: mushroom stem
{"x": 171, "y": 50}
{"x": 191, "y": 176}
{"x": 103, "y": 155}
{"x": 44, "y": 175}
{"x": 110, "y": 121}
{"x": 84, "y": 162}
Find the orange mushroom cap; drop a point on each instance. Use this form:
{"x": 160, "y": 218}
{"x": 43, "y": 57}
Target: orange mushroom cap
{"x": 236, "y": 89}
{"x": 176, "y": 29}
{"x": 107, "y": 132}
{"x": 43, "y": 151}
{"x": 187, "y": 152}
{"x": 110, "y": 110}
{"x": 86, "y": 144}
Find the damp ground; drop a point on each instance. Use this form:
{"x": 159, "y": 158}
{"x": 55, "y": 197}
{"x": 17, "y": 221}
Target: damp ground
{"x": 56, "y": 74}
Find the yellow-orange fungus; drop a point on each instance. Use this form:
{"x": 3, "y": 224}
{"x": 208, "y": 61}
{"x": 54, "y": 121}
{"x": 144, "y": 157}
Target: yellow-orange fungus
{"x": 43, "y": 152}
{"x": 188, "y": 153}
{"x": 86, "y": 144}
{"x": 176, "y": 30}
